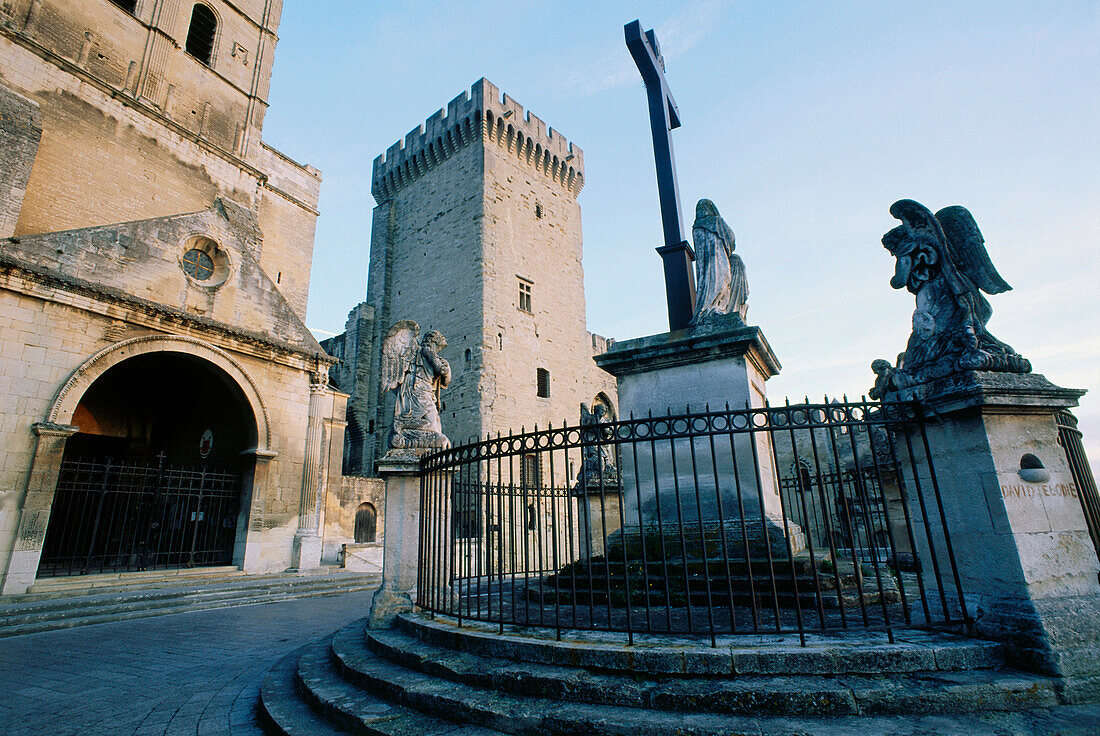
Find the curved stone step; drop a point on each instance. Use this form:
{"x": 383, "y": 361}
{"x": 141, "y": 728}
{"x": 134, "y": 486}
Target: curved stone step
{"x": 536, "y": 715}
{"x": 944, "y": 692}
{"x": 281, "y": 709}
{"x": 833, "y": 654}
{"x": 359, "y": 712}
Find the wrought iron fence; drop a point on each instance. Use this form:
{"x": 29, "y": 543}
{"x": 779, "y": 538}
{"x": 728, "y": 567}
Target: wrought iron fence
{"x": 114, "y": 516}
{"x": 794, "y": 518}
{"x": 1069, "y": 437}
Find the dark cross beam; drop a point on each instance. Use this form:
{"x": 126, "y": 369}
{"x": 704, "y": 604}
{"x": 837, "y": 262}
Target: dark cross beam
{"x": 663, "y": 119}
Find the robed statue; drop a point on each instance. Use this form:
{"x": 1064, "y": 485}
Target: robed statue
{"x": 598, "y": 465}
{"x": 942, "y": 260}
{"x": 414, "y": 369}
{"x": 721, "y": 284}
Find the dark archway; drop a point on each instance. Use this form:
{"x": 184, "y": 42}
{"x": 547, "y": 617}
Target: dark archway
{"x": 153, "y": 479}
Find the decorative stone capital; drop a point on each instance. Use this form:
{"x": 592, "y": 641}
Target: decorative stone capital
{"x": 50, "y": 429}
{"x": 998, "y": 393}
{"x": 402, "y": 462}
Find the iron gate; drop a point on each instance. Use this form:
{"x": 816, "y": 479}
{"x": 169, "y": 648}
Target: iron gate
{"x": 117, "y": 516}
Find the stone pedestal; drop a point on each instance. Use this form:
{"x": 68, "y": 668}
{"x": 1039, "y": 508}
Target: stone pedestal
{"x": 599, "y": 511}
{"x": 401, "y": 472}
{"x": 1025, "y": 559}
{"x": 721, "y": 363}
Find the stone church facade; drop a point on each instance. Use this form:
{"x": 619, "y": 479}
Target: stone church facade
{"x": 162, "y": 403}
{"x": 476, "y": 233}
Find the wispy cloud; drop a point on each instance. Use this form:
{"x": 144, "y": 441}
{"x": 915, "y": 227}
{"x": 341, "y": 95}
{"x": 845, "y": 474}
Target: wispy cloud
{"x": 676, "y": 35}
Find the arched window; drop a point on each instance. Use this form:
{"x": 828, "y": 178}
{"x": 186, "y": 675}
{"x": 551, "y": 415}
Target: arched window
{"x": 366, "y": 523}
{"x": 130, "y": 6}
{"x": 201, "y": 34}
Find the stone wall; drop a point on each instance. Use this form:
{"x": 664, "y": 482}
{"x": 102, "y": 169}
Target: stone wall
{"x": 135, "y": 128}
{"x": 341, "y": 505}
{"x": 20, "y": 131}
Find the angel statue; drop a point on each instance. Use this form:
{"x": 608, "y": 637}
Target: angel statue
{"x": 598, "y": 465}
{"x": 414, "y": 369}
{"x": 943, "y": 261}
{"x": 721, "y": 285}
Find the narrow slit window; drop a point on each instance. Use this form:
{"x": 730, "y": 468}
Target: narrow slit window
{"x": 542, "y": 381}
{"x": 201, "y": 34}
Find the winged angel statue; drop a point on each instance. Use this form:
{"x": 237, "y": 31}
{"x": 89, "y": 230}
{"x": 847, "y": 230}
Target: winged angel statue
{"x": 942, "y": 260}
{"x": 721, "y": 284}
{"x": 415, "y": 371}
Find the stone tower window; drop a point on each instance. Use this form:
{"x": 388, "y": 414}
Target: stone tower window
{"x": 538, "y": 210}
{"x": 201, "y": 34}
{"x": 542, "y": 382}
{"x": 130, "y": 6}
{"x": 530, "y": 471}
{"x": 525, "y": 294}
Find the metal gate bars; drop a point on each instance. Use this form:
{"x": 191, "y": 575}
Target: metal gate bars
{"x": 115, "y": 516}
{"x": 794, "y": 518}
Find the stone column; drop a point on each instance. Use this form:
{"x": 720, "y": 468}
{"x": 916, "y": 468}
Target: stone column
{"x": 307, "y": 540}
{"x": 1025, "y": 559}
{"x": 401, "y": 472}
{"x": 35, "y": 514}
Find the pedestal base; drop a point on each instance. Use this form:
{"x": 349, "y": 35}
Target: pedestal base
{"x": 307, "y": 552}
{"x": 1026, "y": 562}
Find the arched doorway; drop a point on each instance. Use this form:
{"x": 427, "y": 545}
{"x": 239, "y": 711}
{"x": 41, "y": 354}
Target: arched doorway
{"x": 366, "y": 523}
{"x": 153, "y": 479}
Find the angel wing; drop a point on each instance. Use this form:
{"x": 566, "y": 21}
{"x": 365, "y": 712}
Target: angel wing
{"x": 398, "y": 349}
{"x": 967, "y": 249}
{"x": 917, "y": 223}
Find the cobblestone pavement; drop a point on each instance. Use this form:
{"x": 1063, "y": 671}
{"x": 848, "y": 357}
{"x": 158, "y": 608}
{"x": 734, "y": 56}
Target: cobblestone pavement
{"x": 185, "y": 673}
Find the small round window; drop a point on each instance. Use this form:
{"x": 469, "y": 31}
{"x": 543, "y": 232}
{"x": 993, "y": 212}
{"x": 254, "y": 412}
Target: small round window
{"x": 198, "y": 265}
{"x": 205, "y": 263}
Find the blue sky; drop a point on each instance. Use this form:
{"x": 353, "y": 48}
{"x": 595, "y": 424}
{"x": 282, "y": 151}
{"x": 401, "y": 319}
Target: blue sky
{"x": 803, "y": 121}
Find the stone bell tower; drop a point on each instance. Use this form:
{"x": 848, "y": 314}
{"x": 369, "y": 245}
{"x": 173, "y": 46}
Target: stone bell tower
{"x": 477, "y": 234}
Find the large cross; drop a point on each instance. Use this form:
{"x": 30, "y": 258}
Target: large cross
{"x": 664, "y": 117}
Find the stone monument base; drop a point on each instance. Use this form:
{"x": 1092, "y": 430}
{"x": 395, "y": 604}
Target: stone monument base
{"x": 718, "y": 364}
{"x": 1026, "y": 561}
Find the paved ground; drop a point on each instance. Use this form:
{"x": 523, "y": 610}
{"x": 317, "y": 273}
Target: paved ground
{"x": 184, "y": 673}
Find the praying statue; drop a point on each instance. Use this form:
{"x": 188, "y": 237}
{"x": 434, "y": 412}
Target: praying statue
{"x": 942, "y": 261}
{"x": 598, "y": 464}
{"x": 414, "y": 369}
{"x": 721, "y": 284}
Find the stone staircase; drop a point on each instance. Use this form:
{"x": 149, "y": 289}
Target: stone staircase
{"x": 432, "y": 677}
{"x": 60, "y": 603}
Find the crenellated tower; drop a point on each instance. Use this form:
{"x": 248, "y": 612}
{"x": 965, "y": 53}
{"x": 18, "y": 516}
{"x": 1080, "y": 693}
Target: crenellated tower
{"x": 477, "y": 234}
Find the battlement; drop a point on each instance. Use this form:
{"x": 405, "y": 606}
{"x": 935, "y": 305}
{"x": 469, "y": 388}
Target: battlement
{"x": 486, "y": 114}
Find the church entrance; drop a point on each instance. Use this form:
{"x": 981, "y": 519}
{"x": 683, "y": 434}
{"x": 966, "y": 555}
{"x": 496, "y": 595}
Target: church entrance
{"x": 154, "y": 477}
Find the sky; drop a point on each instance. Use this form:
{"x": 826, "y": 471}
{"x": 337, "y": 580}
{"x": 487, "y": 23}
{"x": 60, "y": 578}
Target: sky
{"x": 802, "y": 121}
